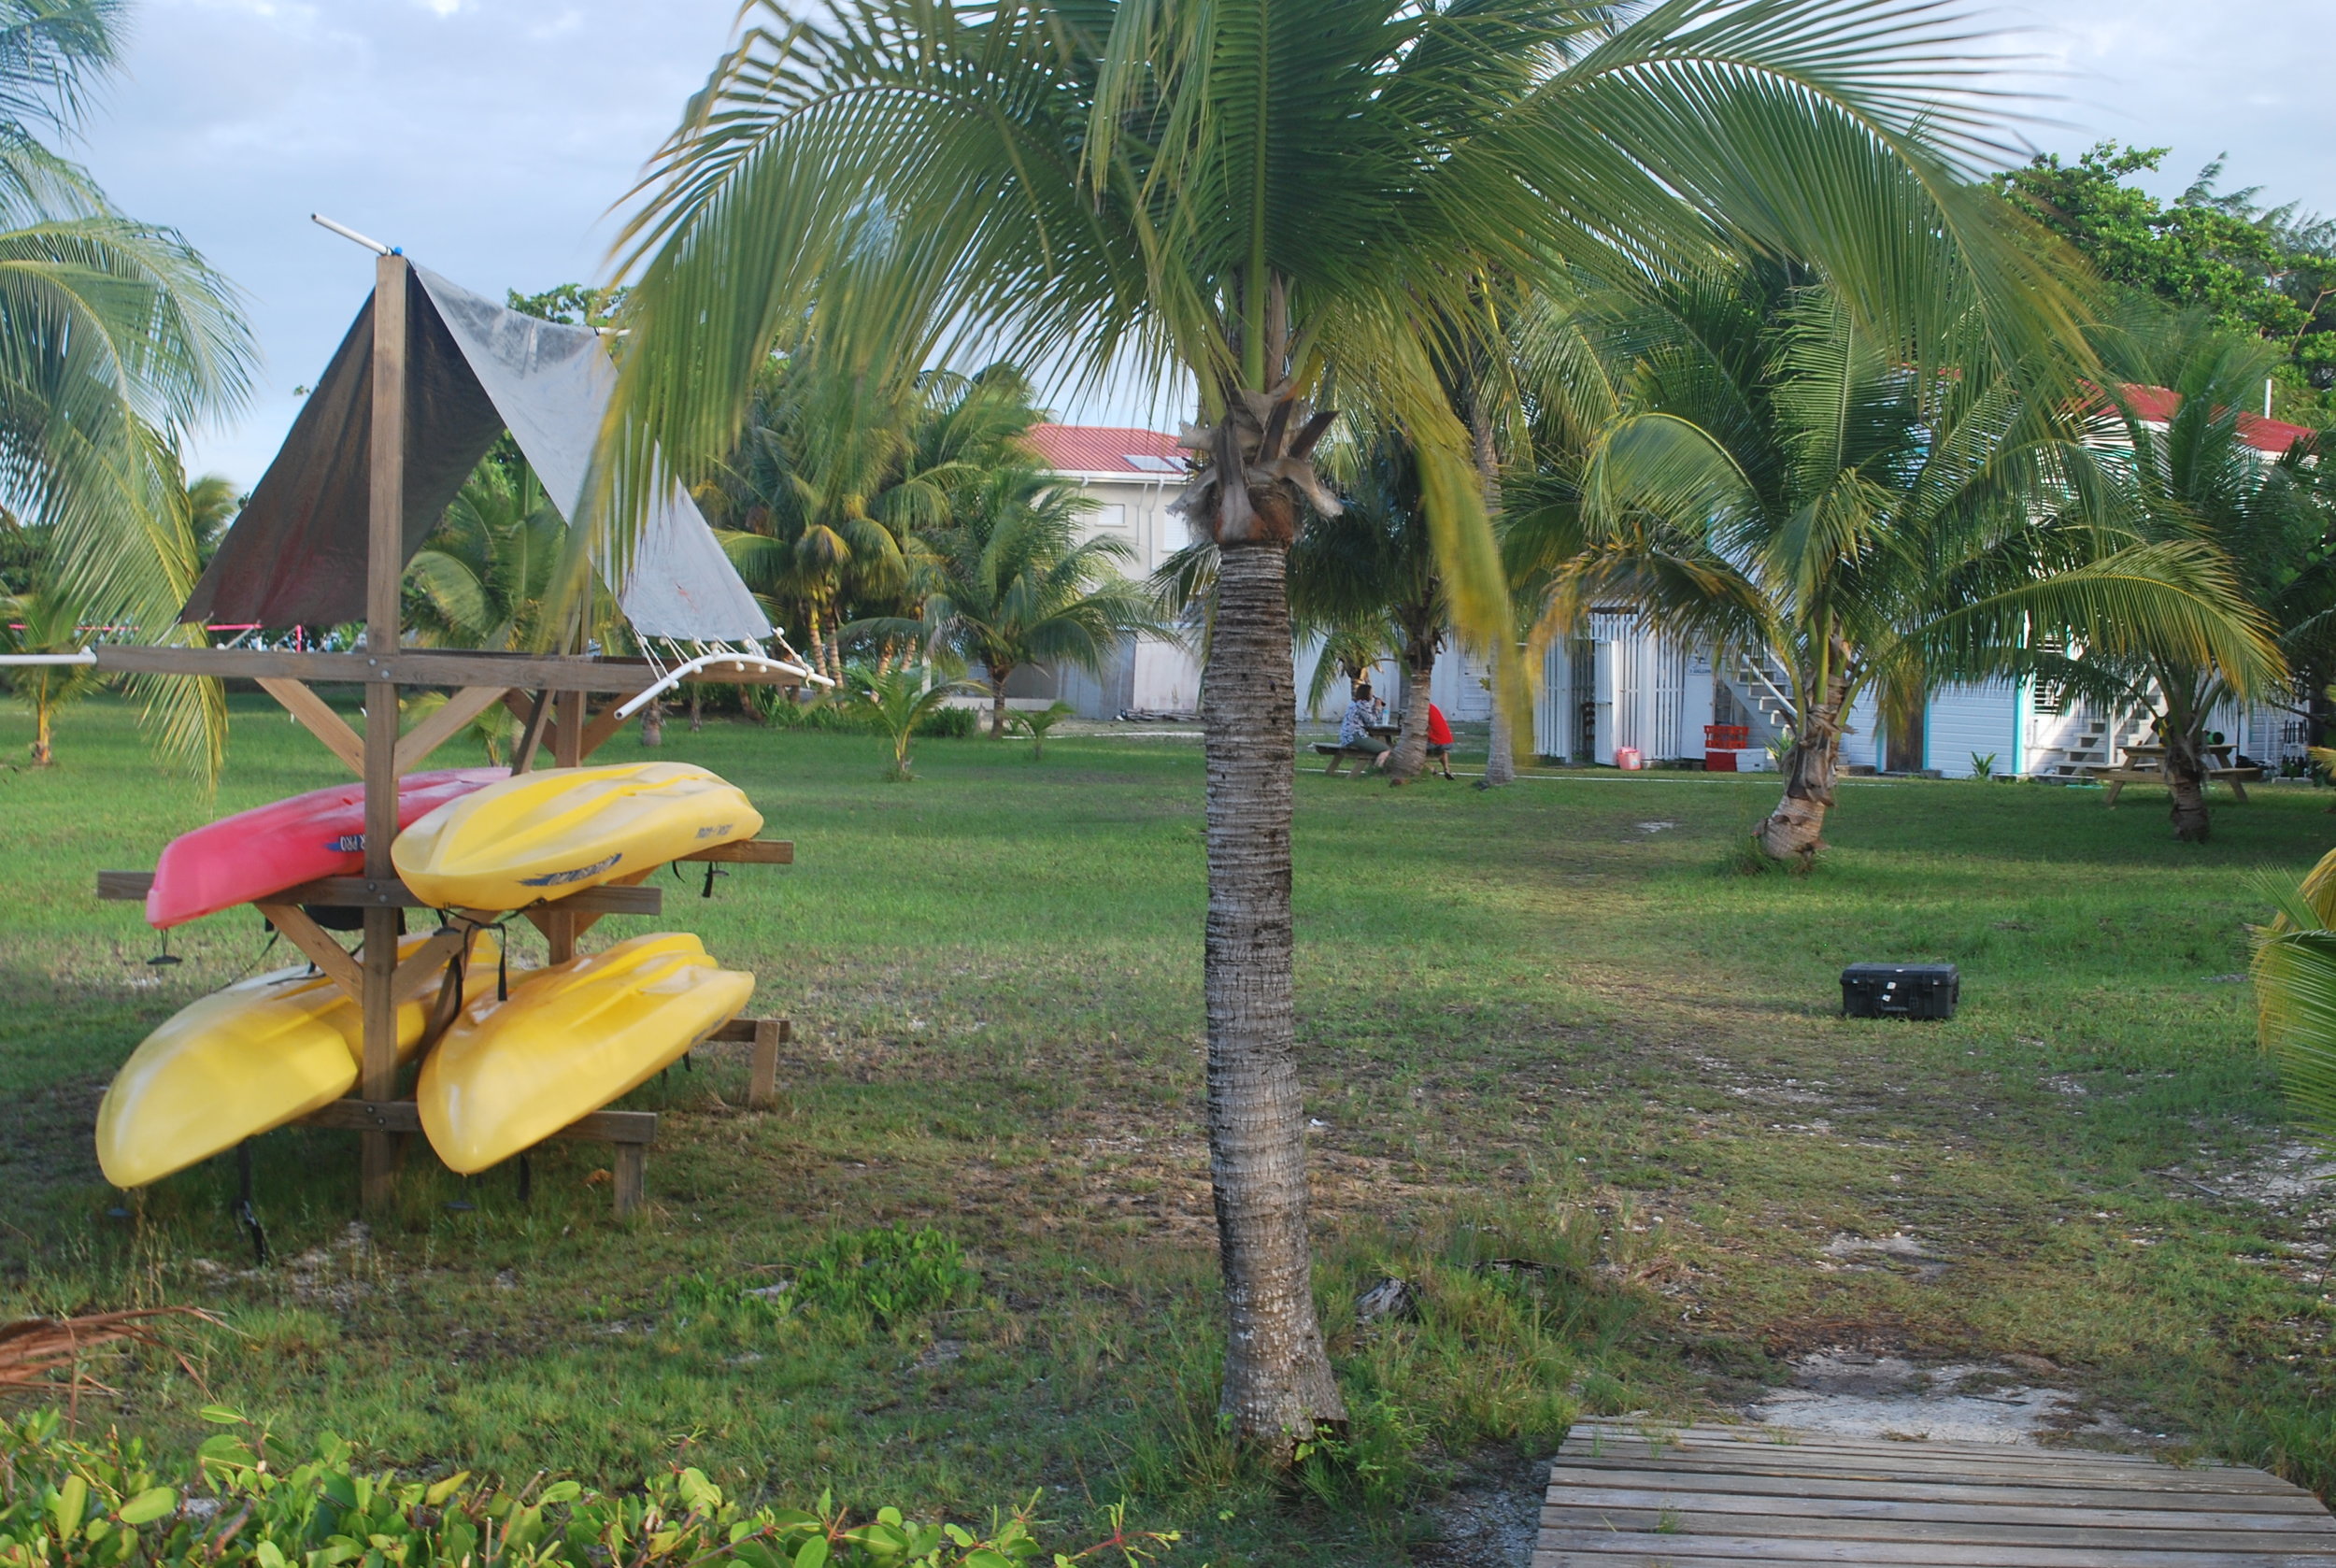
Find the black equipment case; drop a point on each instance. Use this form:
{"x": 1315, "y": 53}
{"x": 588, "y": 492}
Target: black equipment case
{"x": 1900, "y": 991}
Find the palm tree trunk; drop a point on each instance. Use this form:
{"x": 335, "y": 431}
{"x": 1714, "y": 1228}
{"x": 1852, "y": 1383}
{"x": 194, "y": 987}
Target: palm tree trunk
{"x": 2186, "y": 779}
{"x": 997, "y": 701}
{"x": 1411, "y": 741}
{"x": 1278, "y": 1387}
{"x": 1795, "y": 831}
{"x": 653, "y": 724}
{"x": 44, "y": 714}
{"x": 1500, "y": 760}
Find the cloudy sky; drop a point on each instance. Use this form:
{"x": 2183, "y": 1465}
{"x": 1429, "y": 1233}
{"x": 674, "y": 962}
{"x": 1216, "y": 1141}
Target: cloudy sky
{"x": 489, "y": 138}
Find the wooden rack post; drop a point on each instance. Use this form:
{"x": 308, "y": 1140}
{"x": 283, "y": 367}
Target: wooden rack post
{"x": 385, "y": 558}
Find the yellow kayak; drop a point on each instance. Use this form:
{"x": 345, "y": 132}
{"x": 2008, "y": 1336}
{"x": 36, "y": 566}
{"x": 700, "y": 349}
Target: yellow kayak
{"x": 572, "y": 1038}
{"x": 263, "y": 1053}
{"x": 539, "y": 836}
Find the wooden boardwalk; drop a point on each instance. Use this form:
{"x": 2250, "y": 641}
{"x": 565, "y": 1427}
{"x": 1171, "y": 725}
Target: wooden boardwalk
{"x": 1756, "y": 1497}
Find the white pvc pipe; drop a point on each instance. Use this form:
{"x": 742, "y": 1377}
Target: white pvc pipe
{"x": 708, "y": 660}
{"x": 86, "y": 656}
{"x": 347, "y": 233}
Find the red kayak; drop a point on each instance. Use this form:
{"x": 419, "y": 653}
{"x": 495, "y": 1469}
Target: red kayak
{"x": 270, "y": 848}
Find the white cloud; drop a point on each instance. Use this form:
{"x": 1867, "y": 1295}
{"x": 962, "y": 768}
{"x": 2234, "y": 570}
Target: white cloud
{"x": 490, "y": 140}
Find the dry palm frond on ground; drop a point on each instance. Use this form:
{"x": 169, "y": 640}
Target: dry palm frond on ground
{"x": 33, "y": 1349}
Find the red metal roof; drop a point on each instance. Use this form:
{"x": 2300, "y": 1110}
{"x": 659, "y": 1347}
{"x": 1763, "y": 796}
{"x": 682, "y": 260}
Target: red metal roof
{"x": 2158, "y": 404}
{"x": 1103, "y": 449}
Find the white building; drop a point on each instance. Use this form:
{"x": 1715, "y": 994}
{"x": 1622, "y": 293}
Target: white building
{"x": 1622, "y": 685}
{"x": 1133, "y": 476}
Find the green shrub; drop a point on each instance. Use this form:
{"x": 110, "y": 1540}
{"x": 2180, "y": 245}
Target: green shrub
{"x": 776, "y": 706}
{"x": 950, "y": 723}
{"x": 65, "y": 1502}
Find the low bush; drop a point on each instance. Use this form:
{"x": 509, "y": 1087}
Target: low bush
{"x": 69, "y": 1501}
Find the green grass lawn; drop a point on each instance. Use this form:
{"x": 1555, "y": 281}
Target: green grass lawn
{"x": 1550, "y": 1023}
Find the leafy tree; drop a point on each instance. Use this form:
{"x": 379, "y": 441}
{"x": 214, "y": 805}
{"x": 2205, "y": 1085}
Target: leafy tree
{"x": 1780, "y": 480}
{"x": 1008, "y": 585}
{"x": 2269, "y": 272}
{"x": 571, "y": 304}
{"x": 1287, "y": 201}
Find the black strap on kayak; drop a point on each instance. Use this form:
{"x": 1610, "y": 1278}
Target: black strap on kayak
{"x": 712, "y": 871}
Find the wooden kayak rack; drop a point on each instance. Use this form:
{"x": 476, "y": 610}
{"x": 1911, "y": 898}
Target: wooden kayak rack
{"x": 550, "y": 693}
{"x": 630, "y": 1132}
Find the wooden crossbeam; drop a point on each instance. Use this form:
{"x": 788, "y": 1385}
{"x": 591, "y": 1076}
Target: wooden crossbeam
{"x": 403, "y": 1116}
{"x": 444, "y": 725}
{"x": 423, "y": 966}
{"x": 407, "y": 666}
{"x": 598, "y": 734}
{"x": 316, "y": 942}
{"x": 120, "y": 886}
{"x": 317, "y": 716}
{"x": 361, "y": 893}
{"x": 750, "y": 851}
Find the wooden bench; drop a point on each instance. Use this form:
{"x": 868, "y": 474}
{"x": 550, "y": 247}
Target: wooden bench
{"x": 1338, "y": 755}
{"x": 2117, "y": 779}
{"x": 631, "y": 1133}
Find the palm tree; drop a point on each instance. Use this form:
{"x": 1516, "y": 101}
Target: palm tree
{"x": 897, "y": 702}
{"x": 2192, "y": 476}
{"x": 1010, "y": 587}
{"x": 1784, "y": 482}
{"x": 1289, "y": 201}
{"x": 2294, "y": 969}
{"x": 1368, "y": 578}
{"x": 485, "y": 575}
{"x": 482, "y": 577}
{"x": 841, "y": 467}
{"x": 212, "y": 503}
{"x": 114, "y": 339}
{"x": 43, "y": 620}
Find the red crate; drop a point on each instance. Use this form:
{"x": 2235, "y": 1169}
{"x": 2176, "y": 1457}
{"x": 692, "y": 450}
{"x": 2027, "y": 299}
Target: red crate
{"x": 1727, "y": 737}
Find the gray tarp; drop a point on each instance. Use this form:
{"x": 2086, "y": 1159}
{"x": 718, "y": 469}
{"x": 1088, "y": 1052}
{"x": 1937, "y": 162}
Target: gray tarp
{"x": 296, "y": 555}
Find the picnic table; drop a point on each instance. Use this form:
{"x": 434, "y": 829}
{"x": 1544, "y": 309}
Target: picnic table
{"x": 2146, "y": 764}
{"x": 1339, "y": 754}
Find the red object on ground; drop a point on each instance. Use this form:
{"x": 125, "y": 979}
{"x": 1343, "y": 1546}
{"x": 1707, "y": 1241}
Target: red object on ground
{"x": 1439, "y": 733}
{"x": 271, "y": 847}
{"x": 1727, "y": 737}
{"x": 1719, "y": 762}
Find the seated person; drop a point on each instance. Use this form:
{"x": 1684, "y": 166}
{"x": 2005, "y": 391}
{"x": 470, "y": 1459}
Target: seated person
{"x": 1439, "y": 740}
{"x": 1354, "y": 731}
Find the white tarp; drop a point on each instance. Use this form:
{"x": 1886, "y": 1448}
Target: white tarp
{"x": 552, "y": 384}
